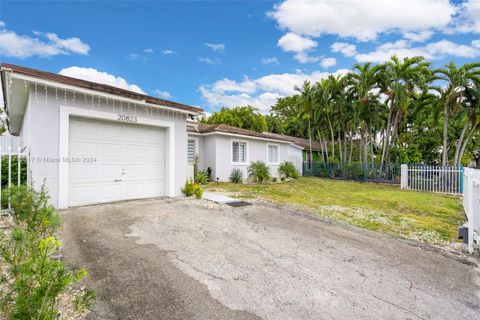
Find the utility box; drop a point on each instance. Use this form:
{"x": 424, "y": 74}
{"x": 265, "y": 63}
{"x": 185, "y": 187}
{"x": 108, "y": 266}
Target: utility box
{"x": 463, "y": 233}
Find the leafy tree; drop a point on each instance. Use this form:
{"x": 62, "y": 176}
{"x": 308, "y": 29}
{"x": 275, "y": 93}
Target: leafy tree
{"x": 246, "y": 117}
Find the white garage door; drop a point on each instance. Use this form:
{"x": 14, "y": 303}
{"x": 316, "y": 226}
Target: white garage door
{"x": 112, "y": 161}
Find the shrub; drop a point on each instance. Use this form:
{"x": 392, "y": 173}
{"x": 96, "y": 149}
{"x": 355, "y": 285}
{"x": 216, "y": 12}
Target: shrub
{"x": 202, "y": 178}
{"x": 209, "y": 172}
{"x": 34, "y": 278}
{"x": 288, "y": 170}
{"x": 31, "y": 208}
{"x": 192, "y": 189}
{"x": 236, "y": 175}
{"x": 258, "y": 171}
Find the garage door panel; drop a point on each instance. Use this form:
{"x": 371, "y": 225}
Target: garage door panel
{"x": 134, "y": 190}
{"x": 82, "y": 148}
{"x": 134, "y": 152}
{"x": 155, "y": 153}
{"x": 110, "y": 131}
{"x": 109, "y": 151}
{"x": 130, "y": 161}
{"x": 136, "y": 171}
{"x": 83, "y": 194}
{"x": 155, "y": 170}
{"x": 110, "y": 170}
{"x": 81, "y": 171}
{"x": 83, "y": 129}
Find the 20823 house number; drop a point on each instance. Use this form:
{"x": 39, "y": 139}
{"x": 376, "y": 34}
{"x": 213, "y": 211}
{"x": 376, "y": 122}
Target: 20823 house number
{"x": 126, "y": 118}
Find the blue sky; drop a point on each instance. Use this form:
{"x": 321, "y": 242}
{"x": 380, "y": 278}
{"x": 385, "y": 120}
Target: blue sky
{"x": 227, "y": 53}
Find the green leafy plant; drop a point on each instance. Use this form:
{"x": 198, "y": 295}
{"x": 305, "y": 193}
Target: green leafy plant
{"x": 31, "y": 209}
{"x": 236, "y": 175}
{"x": 202, "y": 178}
{"x": 192, "y": 188}
{"x": 34, "y": 278}
{"x": 258, "y": 171}
{"x": 288, "y": 170}
{"x": 84, "y": 300}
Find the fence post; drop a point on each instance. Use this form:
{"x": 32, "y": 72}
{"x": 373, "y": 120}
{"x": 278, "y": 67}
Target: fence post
{"x": 403, "y": 176}
{"x": 9, "y": 174}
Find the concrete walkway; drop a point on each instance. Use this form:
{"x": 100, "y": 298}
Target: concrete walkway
{"x": 218, "y": 198}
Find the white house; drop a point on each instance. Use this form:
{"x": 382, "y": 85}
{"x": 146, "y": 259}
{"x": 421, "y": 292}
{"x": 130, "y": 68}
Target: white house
{"x": 223, "y": 148}
{"x": 94, "y": 143}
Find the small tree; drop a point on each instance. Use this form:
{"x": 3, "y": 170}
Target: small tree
{"x": 258, "y": 171}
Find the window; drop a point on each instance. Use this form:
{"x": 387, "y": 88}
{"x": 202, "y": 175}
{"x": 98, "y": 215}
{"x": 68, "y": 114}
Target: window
{"x": 239, "y": 152}
{"x": 272, "y": 153}
{"x": 191, "y": 150}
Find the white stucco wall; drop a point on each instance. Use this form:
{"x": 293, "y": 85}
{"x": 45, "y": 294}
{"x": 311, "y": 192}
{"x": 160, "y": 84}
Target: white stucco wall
{"x": 40, "y": 131}
{"x": 219, "y": 147}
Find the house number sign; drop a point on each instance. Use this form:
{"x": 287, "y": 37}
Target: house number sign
{"x": 126, "y": 118}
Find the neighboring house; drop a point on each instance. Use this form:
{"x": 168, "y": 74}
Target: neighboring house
{"x": 303, "y": 143}
{"x": 223, "y": 148}
{"x": 94, "y": 143}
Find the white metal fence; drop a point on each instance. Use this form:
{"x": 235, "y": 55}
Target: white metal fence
{"x": 438, "y": 179}
{"x": 11, "y": 164}
{"x": 471, "y": 204}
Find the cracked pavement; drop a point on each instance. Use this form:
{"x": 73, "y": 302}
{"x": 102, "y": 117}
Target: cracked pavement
{"x": 179, "y": 259}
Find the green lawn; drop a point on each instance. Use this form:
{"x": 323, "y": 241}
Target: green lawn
{"x": 420, "y": 216}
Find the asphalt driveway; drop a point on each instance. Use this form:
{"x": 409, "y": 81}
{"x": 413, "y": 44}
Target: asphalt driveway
{"x": 178, "y": 259}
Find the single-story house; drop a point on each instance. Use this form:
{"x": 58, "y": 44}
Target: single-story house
{"x": 94, "y": 143}
{"x": 223, "y": 148}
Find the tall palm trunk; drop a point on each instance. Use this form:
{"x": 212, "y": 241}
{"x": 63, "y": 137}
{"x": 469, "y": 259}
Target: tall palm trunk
{"x": 445, "y": 135}
{"x": 467, "y": 139}
{"x": 310, "y": 140}
{"x": 386, "y": 137}
{"x": 460, "y": 142}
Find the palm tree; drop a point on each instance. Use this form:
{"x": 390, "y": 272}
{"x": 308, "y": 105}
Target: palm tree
{"x": 457, "y": 79}
{"x": 307, "y": 104}
{"x": 363, "y": 85}
{"x": 401, "y": 80}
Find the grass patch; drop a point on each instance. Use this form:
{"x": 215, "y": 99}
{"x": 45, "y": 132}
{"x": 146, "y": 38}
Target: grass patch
{"x": 427, "y": 217}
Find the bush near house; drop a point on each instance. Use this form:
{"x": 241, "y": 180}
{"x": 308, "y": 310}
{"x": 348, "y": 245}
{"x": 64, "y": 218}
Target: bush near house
{"x": 202, "y": 178}
{"x": 192, "y": 189}
{"x": 236, "y": 176}
{"x": 288, "y": 170}
{"x": 258, "y": 171}
{"x": 32, "y": 279}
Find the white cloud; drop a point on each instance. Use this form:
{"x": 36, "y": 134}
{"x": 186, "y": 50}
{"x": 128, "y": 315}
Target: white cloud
{"x": 262, "y": 92}
{"x": 91, "y": 74}
{"x": 209, "y": 61}
{"x": 300, "y": 45}
{"x": 148, "y": 50}
{"x": 43, "y": 45}
{"x": 215, "y": 46}
{"x": 362, "y": 20}
{"x": 168, "y": 52}
{"x": 136, "y": 57}
{"x": 418, "y": 36}
{"x": 347, "y": 49}
{"x": 476, "y": 43}
{"x": 328, "y": 62}
{"x": 163, "y": 94}
{"x": 431, "y": 51}
{"x": 469, "y": 17}
{"x": 271, "y": 60}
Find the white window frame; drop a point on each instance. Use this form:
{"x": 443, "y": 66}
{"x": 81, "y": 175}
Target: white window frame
{"x": 268, "y": 153}
{"x": 196, "y": 149}
{"x": 246, "y": 151}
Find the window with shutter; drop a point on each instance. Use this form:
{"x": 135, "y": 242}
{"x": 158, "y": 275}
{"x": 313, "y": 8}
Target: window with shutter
{"x": 191, "y": 150}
